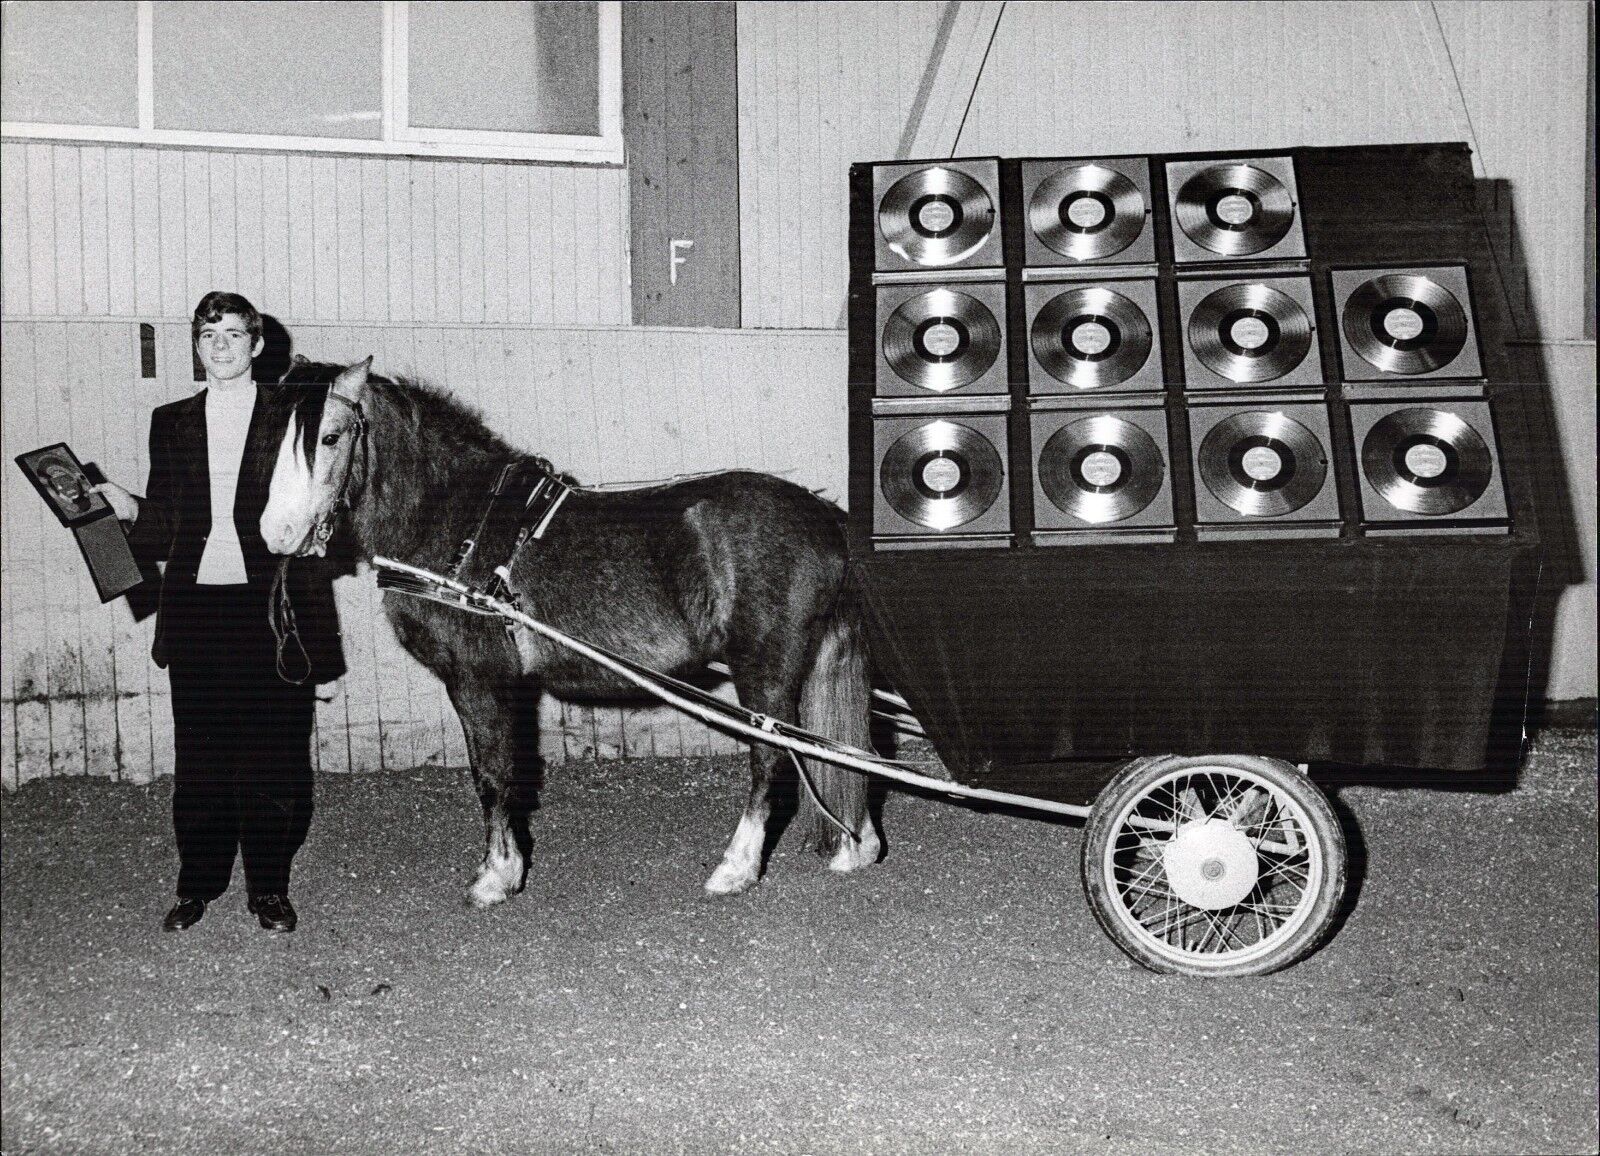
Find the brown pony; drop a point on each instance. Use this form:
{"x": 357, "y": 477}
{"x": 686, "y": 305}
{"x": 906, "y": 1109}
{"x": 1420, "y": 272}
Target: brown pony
{"x": 739, "y": 568}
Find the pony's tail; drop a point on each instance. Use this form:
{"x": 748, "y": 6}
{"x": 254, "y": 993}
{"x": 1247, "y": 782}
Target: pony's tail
{"x": 836, "y": 701}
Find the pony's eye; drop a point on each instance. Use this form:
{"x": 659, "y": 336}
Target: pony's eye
{"x": 331, "y": 439}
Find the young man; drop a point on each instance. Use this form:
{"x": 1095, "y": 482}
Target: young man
{"x": 243, "y": 779}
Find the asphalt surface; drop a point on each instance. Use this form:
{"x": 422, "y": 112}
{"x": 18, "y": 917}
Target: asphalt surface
{"x": 958, "y": 997}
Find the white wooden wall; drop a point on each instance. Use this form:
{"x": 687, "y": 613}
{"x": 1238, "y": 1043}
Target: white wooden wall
{"x": 110, "y": 231}
{"x": 78, "y": 693}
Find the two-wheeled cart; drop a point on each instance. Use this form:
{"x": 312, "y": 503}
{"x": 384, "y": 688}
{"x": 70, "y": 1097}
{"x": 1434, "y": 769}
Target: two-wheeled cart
{"x": 1132, "y": 529}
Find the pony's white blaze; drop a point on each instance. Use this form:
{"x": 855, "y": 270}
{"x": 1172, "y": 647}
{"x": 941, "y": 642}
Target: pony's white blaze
{"x": 286, "y": 520}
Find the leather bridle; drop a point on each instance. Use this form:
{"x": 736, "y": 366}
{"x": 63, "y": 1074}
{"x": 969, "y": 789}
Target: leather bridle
{"x": 323, "y": 530}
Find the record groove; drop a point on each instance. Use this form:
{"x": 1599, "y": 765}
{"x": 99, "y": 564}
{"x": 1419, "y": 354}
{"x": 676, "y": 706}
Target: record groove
{"x": 1101, "y": 469}
{"x": 1426, "y": 461}
{"x": 941, "y": 475}
{"x": 1090, "y": 338}
{"x": 1087, "y": 212}
{"x": 1249, "y": 333}
{"x": 1234, "y": 209}
{"x": 1262, "y": 464}
{"x": 1404, "y": 323}
{"x": 941, "y": 340}
{"x": 936, "y": 216}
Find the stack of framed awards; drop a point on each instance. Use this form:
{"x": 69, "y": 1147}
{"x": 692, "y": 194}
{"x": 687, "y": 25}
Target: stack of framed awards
{"x": 1135, "y": 349}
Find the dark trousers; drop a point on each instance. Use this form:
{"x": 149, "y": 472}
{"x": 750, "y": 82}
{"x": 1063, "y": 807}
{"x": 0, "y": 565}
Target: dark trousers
{"x": 243, "y": 743}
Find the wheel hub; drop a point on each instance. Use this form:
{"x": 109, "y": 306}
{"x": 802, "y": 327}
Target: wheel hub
{"x": 1210, "y": 864}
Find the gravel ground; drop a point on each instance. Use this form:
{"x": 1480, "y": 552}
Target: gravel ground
{"x": 956, "y": 998}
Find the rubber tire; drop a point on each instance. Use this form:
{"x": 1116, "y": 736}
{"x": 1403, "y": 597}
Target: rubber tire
{"x": 1135, "y": 779}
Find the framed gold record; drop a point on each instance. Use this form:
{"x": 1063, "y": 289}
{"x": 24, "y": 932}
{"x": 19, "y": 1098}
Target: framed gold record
{"x": 1427, "y": 461}
{"x": 938, "y": 475}
{"x": 937, "y": 215}
{"x": 1235, "y": 210}
{"x": 1261, "y": 463}
{"x": 1413, "y": 322}
{"x": 1093, "y": 337}
{"x": 1091, "y": 210}
{"x": 1258, "y": 333}
{"x": 941, "y": 339}
{"x": 1100, "y": 467}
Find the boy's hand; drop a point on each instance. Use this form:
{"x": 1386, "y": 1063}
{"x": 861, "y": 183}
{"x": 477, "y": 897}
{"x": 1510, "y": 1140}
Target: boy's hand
{"x": 124, "y": 504}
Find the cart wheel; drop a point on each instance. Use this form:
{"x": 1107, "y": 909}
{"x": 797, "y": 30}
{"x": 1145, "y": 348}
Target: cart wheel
{"x": 1220, "y": 865}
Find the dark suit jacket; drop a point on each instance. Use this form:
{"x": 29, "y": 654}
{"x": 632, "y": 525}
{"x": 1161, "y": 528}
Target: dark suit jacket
{"x": 175, "y": 521}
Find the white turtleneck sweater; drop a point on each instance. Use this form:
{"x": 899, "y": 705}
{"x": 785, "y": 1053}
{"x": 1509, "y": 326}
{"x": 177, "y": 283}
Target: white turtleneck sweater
{"x": 228, "y": 413}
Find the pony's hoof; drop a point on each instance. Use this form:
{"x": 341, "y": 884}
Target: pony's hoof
{"x": 729, "y": 880}
{"x": 854, "y": 856}
{"x": 485, "y": 893}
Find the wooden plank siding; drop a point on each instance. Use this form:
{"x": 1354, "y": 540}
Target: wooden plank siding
{"x": 78, "y": 693}
{"x": 112, "y": 231}
{"x": 820, "y": 86}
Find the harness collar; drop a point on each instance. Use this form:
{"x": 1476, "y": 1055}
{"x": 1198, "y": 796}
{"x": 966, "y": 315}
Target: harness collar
{"x": 526, "y": 494}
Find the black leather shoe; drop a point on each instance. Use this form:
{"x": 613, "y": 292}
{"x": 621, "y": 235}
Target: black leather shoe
{"x": 275, "y": 912}
{"x": 185, "y": 914}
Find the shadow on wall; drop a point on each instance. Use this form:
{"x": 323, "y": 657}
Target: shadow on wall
{"x": 1560, "y": 563}
{"x": 279, "y": 351}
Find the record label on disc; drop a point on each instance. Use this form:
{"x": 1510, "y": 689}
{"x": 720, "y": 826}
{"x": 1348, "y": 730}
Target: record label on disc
{"x": 941, "y": 339}
{"x": 1085, "y": 213}
{"x": 1091, "y": 338}
{"x": 1426, "y": 461}
{"x": 1404, "y": 323}
{"x": 935, "y": 216}
{"x": 1100, "y": 468}
{"x": 1250, "y": 332}
{"x": 1262, "y": 464}
{"x": 1235, "y": 210}
{"x": 941, "y": 475}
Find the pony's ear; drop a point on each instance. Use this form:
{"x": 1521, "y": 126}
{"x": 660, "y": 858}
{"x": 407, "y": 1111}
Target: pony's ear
{"x": 352, "y": 382}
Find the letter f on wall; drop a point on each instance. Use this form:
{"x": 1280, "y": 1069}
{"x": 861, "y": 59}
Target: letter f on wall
{"x": 675, "y": 260}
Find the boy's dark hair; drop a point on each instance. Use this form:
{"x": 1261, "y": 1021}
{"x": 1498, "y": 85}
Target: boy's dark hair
{"x": 213, "y": 305}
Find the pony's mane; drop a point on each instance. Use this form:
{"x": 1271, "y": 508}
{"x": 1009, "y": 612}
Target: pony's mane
{"x": 420, "y": 404}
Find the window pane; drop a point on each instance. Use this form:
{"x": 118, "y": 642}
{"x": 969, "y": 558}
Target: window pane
{"x": 70, "y": 62}
{"x": 284, "y": 69}
{"x": 519, "y": 67}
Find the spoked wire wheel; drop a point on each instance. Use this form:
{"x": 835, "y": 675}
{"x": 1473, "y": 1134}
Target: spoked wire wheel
{"x": 1222, "y": 865}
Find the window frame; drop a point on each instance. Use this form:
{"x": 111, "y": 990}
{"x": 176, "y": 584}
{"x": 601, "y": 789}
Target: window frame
{"x": 398, "y": 137}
